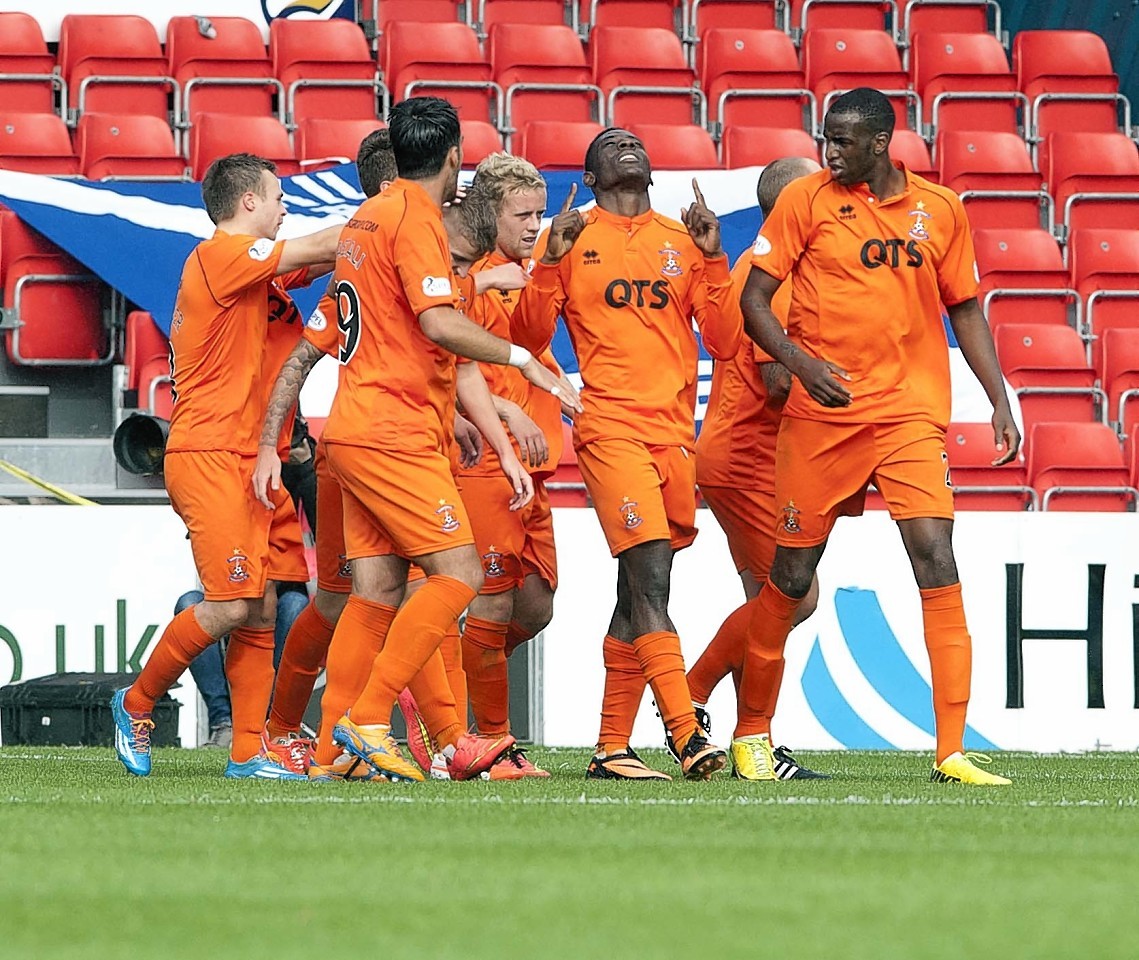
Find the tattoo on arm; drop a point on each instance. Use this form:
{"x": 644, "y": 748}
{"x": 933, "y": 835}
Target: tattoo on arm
{"x": 287, "y": 390}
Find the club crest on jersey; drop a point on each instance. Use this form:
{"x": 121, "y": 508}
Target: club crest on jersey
{"x": 447, "y": 518}
{"x": 629, "y": 513}
{"x": 345, "y": 569}
{"x": 670, "y": 261}
{"x": 918, "y": 230}
{"x": 492, "y": 563}
{"x": 238, "y": 572}
{"x": 791, "y": 517}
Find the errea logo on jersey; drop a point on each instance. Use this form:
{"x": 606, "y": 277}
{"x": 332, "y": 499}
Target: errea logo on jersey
{"x": 261, "y": 250}
{"x": 437, "y": 286}
{"x": 762, "y": 246}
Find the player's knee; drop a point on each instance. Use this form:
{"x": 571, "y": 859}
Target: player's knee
{"x": 792, "y": 579}
{"x": 330, "y": 605}
{"x": 231, "y": 614}
{"x": 809, "y": 603}
{"x": 933, "y": 562}
{"x": 537, "y": 616}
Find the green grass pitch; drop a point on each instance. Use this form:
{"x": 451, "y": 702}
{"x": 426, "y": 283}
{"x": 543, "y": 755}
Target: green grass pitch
{"x": 877, "y": 864}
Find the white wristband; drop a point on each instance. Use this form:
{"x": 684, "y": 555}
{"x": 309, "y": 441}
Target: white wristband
{"x": 519, "y": 356}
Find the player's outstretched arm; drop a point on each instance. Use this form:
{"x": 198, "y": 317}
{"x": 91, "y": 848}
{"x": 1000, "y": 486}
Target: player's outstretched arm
{"x": 716, "y": 307}
{"x": 976, "y": 342}
{"x": 286, "y": 393}
{"x": 478, "y": 405}
{"x": 317, "y": 250}
{"x": 817, "y": 376}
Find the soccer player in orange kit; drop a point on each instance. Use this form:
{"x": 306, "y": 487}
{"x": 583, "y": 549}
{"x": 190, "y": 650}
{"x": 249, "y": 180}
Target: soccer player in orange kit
{"x": 389, "y": 433}
{"x": 735, "y": 471}
{"x": 217, "y": 342}
{"x": 629, "y": 282}
{"x": 873, "y": 251}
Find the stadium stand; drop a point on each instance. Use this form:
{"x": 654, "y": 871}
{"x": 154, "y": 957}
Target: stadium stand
{"x": 326, "y": 68}
{"x": 1079, "y": 466}
{"x": 1023, "y": 278}
{"x": 1093, "y": 178}
{"x": 28, "y": 83}
{"x": 1104, "y": 266}
{"x": 993, "y": 172}
{"x": 645, "y": 76}
{"x": 1047, "y": 366}
{"x": 964, "y": 82}
{"x": 837, "y": 59}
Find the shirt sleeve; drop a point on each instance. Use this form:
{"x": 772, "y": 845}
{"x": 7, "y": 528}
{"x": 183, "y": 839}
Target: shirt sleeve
{"x": 295, "y": 278}
{"x": 321, "y": 329}
{"x": 716, "y": 308}
{"x": 957, "y": 272}
{"x": 783, "y": 236}
{"x": 535, "y": 318}
{"x": 235, "y": 263}
{"x": 423, "y": 260}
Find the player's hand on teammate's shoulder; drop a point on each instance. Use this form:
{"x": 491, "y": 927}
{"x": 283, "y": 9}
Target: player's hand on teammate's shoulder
{"x": 531, "y": 440}
{"x": 565, "y": 228}
{"x": 544, "y": 379}
{"x": 469, "y": 439}
{"x": 506, "y": 276}
{"x": 266, "y": 475}
{"x": 1006, "y": 436}
{"x": 702, "y": 225}
{"x": 819, "y": 380}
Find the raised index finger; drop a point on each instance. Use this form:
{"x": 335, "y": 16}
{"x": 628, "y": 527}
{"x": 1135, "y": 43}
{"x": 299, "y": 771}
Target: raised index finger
{"x": 699, "y": 195}
{"x": 568, "y": 205}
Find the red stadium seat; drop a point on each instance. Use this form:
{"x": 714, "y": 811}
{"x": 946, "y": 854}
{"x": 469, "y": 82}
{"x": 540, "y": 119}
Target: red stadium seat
{"x": 442, "y": 59}
{"x": 948, "y": 16}
{"x": 23, "y": 51}
{"x": 325, "y": 143}
{"x": 1105, "y": 271}
{"x": 1023, "y": 278}
{"x": 1068, "y": 78}
{"x": 847, "y": 14}
{"x": 98, "y": 51}
{"x": 130, "y": 146}
{"x": 911, "y": 149}
{"x": 977, "y": 484}
{"x": 554, "y": 144}
{"x": 326, "y": 67}
{"x": 56, "y": 307}
{"x": 965, "y": 82}
{"x": 657, "y": 14}
{"x": 491, "y": 12}
{"x": 838, "y": 59}
{"x": 544, "y": 73}
{"x": 1079, "y": 466}
{"x": 480, "y": 140}
{"x": 673, "y": 147}
{"x": 216, "y": 135}
{"x": 625, "y": 59}
{"x": 752, "y": 77}
{"x": 1093, "y": 177}
{"x": 705, "y": 15}
{"x": 36, "y": 143}
{"x": 758, "y": 146}
{"x": 143, "y": 343}
{"x": 230, "y": 73}
{"x": 1119, "y": 372}
{"x": 1047, "y": 365}
{"x": 994, "y": 175}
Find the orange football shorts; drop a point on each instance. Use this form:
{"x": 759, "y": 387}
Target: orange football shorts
{"x": 333, "y": 568}
{"x": 747, "y": 518}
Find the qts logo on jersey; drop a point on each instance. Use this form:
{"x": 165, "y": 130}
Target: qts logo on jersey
{"x": 629, "y": 514}
{"x": 632, "y": 293}
{"x": 447, "y": 518}
{"x": 238, "y": 571}
{"x": 892, "y": 253}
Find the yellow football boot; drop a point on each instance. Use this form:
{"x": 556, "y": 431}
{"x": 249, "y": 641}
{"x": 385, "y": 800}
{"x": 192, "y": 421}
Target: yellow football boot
{"x": 753, "y": 759}
{"x": 962, "y": 768}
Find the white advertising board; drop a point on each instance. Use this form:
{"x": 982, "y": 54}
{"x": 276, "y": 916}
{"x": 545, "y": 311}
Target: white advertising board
{"x": 77, "y": 581}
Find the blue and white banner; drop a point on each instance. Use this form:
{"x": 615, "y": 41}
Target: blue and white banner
{"x": 137, "y": 235}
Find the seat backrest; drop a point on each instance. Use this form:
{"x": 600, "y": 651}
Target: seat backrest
{"x": 320, "y": 49}
{"x": 21, "y": 36}
{"x": 552, "y": 144}
{"x": 480, "y": 140}
{"x": 1058, "y": 60}
{"x": 36, "y": 143}
{"x": 659, "y": 14}
{"x": 629, "y": 49}
{"x": 521, "y": 11}
{"x": 1038, "y": 346}
{"x": 22, "y": 50}
{"x": 759, "y": 146}
{"x": 1120, "y": 355}
{"x": 959, "y": 56}
{"x": 101, "y": 135}
{"x": 744, "y": 52}
{"x": 705, "y": 15}
{"x": 1103, "y": 258}
{"x": 144, "y": 342}
{"x": 1073, "y": 446}
{"x": 1068, "y": 155}
{"x": 336, "y": 140}
{"x": 677, "y": 147}
{"x": 971, "y": 450}
{"x": 215, "y": 135}
{"x": 938, "y": 17}
{"x": 838, "y": 13}
{"x": 981, "y": 151}
{"x": 238, "y": 41}
{"x": 536, "y": 52}
{"x": 834, "y": 50}
{"x": 1002, "y": 254}
{"x": 408, "y": 46}
{"x": 418, "y": 11}
{"x": 908, "y": 147}
{"x": 91, "y": 43}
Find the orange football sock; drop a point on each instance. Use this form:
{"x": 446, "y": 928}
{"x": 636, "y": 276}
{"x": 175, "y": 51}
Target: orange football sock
{"x": 181, "y": 641}
{"x": 663, "y": 667}
{"x": 357, "y": 639}
{"x": 416, "y": 633}
{"x": 249, "y": 669}
{"x": 772, "y": 613}
{"x": 724, "y": 655}
{"x": 436, "y": 701}
{"x": 452, "y": 649}
{"x": 305, "y": 650}
{"x": 624, "y": 689}
{"x": 484, "y": 661}
{"x": 516, "y": 635}
{"x": 950, "y": 664}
